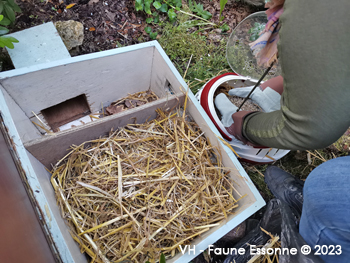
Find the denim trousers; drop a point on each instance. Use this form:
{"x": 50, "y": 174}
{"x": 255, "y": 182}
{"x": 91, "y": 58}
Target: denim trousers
{"x": 325, "y": 218}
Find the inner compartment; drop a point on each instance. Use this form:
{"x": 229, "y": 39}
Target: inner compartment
{"x": 42, "y": 149}
{"x": 85, "y": 87}
{"x": 66, "y": 112}
{"x": 41, "y": 152}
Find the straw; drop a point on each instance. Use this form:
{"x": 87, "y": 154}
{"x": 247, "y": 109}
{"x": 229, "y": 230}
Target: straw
{"x": 274, "y": 243}
{"x": 144, "y": 190}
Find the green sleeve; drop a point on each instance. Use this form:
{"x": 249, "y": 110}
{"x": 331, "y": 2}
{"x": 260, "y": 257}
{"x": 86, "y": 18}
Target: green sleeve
{"x": 314, "y": 52}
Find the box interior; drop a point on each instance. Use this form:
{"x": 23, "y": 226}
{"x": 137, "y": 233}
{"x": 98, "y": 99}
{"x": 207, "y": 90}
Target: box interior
{"x": 104, "y": 80}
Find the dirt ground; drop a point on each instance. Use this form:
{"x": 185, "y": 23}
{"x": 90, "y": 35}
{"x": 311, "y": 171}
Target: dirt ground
{"x": 109, "y": 23}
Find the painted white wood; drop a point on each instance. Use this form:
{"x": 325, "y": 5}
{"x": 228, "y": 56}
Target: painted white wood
{"x": 51, "y": 148}
{"x": 157, "y": 77}
{"x": 26, "y": 129}
{"x": 34, "y": 184}
{"x": 72, "y": 60}
{"x": 43, "y": 177}
{"x": 162, "y": 73}
{"x": 102, "y": 80}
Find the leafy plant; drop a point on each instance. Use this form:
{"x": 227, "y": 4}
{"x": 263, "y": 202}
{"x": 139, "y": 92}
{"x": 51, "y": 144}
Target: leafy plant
{"x": 6, "y": 40}
{"x": 8, "y": 9}
{"x": 225, "y": 27}
{"x": 162, "y": 258}
{"x": 222, "y": 7}
{"x": 198, "y": 9}
{"x": 139, "y": 5}
{"x": 255, "y": 31}
{"x": 7, "y": 16}
{"x": 152, "y": 35}
{"x": 168, "y": 8}
{"x": 161, "y": 6}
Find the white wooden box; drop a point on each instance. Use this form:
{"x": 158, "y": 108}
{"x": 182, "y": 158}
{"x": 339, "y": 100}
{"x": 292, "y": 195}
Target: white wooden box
{"x": 102, "y": 77}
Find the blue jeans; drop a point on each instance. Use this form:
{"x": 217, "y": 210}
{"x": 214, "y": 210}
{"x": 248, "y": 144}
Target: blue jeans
{"x": 325, "y": 218}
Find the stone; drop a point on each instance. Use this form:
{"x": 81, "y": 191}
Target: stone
{"x": 71, "y": 32}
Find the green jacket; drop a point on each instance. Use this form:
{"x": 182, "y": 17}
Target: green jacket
{"x": 314, "y": 53}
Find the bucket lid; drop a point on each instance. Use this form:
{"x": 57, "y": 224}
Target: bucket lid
{"x": 238, "y": 53}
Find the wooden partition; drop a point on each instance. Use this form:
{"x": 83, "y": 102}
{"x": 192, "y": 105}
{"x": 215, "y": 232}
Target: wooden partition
{"x": 51, "y": 148}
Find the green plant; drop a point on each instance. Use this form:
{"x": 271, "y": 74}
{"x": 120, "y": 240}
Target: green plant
{"x": 180, "y": 45}
{"x": 152, "y": 35}
{"x": 225, "y": 27}
{"x": 162, "y": 258}
{"x": 8, "y": 9}
{"x": 255, "y": 31}
{"x": 161, "y": 6}
{"x": 222, "y": 7}
{"x": 198, "y": 9}
{"x": 6, "y": 40}
{"x": 7, "y": 17}
{"x": 168, "y": 8}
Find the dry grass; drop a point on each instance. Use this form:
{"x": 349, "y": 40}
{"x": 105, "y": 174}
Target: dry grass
{"x": 144, "y": 190}
{"x": 131, "y": 101}
{"x": 273, "y": 243}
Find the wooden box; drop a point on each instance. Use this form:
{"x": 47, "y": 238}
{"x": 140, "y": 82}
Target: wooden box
{"x": 101, "y": 78}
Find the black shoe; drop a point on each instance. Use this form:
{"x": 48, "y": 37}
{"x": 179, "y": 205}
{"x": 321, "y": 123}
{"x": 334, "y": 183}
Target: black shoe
{"x": 285, "y": 187}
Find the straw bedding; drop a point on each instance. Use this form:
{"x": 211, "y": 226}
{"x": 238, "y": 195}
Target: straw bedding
{"x": 144, "y": 190}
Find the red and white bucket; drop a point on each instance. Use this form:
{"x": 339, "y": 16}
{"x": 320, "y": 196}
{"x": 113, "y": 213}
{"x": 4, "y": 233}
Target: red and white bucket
{"x": 245, "y": 152}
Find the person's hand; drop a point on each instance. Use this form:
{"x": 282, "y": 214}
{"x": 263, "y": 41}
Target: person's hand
{"x": 231, "y": 119}
{"x": 267, "y": 96}
{"x": 226, "y": 108}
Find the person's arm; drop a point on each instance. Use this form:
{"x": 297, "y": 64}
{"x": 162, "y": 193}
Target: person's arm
{"x": 315, "y": 59}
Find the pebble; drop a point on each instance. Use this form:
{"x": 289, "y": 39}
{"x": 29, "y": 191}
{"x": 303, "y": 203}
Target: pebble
{"x": 249, "y": 105}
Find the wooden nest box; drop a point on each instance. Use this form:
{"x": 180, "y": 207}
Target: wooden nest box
{"x": 61, "y": 91}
